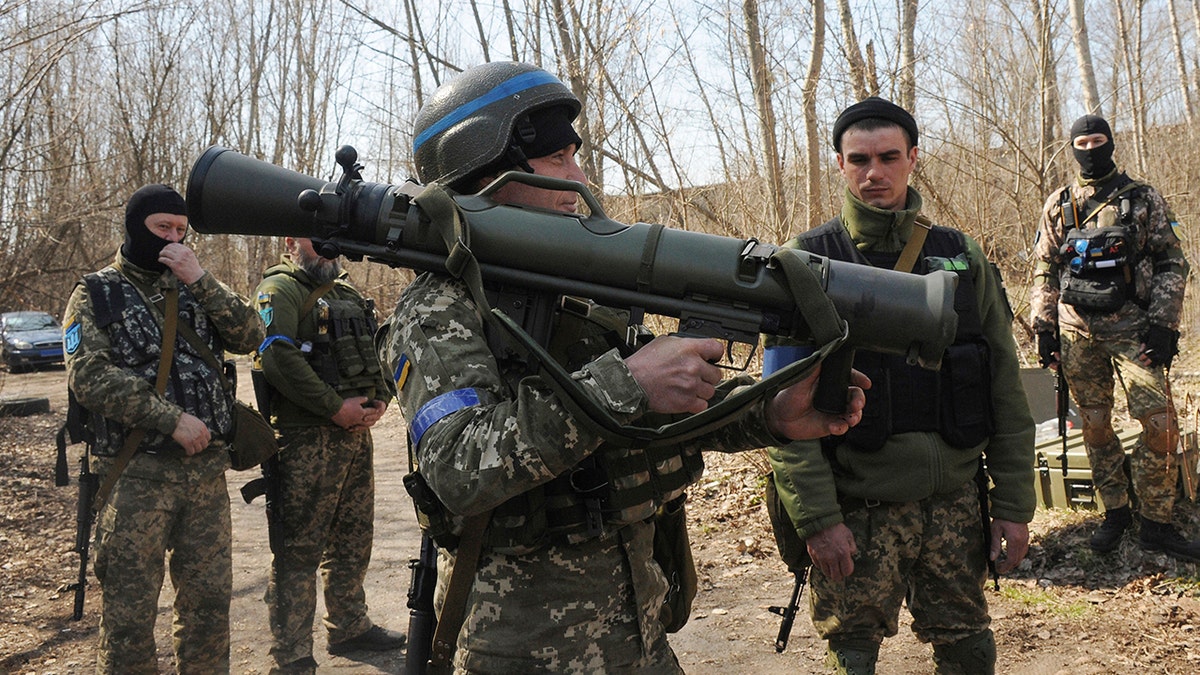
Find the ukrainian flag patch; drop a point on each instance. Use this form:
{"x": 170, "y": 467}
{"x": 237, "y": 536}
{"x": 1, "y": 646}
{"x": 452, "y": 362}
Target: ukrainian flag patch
{"x": 400, "y": 376}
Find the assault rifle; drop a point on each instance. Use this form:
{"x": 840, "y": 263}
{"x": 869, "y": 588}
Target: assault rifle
{"x": 74, "y": 430}
{"x": 1062, "y": 405}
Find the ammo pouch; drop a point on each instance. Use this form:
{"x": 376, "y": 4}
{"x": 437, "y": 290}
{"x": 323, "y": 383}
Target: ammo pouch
{"x": 1097, "y": 268}
{"x": 673, "y": 553}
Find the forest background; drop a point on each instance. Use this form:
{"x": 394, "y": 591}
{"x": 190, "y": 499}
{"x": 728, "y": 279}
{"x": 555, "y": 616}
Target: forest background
{"x": 708, "y": 115}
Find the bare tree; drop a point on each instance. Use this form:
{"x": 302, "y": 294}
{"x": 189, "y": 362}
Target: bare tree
{"x": 812, "y": 185}
{"x": 908, "y": 54}
{"x": 762, "y": 80}
{"x": 1181, "y": 64}
{"x": 1083, "y": 57}
{"x": 860, "y": 75}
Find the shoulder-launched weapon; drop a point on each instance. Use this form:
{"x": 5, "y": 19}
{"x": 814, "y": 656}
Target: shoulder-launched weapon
{"x": 722, "y": 287}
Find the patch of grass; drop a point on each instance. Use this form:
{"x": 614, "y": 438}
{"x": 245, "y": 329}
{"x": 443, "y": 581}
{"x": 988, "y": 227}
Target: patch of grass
{"x": 1048, "y": 602}
{"x": 1188, "y": 585}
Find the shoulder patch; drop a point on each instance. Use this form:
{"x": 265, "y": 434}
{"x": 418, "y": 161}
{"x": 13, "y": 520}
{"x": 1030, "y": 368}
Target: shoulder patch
{"x": 400, "y": 376}
{"x": 71, "y": 336}
{"x": 267, "y": 313}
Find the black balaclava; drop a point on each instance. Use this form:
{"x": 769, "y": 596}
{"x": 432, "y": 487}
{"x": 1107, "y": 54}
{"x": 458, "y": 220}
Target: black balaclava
{"x": 142, "y": 246}
{"x": 1097, "y": 162}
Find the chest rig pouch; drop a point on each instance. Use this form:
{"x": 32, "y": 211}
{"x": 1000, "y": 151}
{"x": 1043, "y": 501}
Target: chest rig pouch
{"x": 342, "y": 350}
{"x": 954, "y": 401}
{"x": 1098, "y": 262}
{"x": 613, "y": 486}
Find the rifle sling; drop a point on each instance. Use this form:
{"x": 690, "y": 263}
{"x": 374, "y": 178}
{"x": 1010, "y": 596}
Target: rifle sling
{"x": 454, "y": 605}
{"x": 908, "y": 257}
{"x": 160, "y": 385}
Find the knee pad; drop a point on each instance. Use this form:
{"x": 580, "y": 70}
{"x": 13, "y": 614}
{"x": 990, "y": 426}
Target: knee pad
{"x": 1160, "y": 432}
{"x": 1097, "y": 426}
{"x": 852, "y": 657}
{"x": 974, "y": 655}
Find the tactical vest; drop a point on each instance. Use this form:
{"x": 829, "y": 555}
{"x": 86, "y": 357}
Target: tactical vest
{"x": 1098, "y": 262}
{"x": 955, "y": 401}
{"x": 135, "y": 336}
{"x": 339, "y": 343}
{"x": 611, "y": 488}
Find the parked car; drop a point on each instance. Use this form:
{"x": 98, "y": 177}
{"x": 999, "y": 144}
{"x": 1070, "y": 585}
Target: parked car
{"x": 31, "y": 339}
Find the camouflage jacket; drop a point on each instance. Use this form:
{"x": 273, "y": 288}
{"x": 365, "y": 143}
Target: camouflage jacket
{"x": 504, "y": 445}
{"x": 297, "y": 346}
{"x": 118, "y": 394}
{"x": 1160, "y": 270}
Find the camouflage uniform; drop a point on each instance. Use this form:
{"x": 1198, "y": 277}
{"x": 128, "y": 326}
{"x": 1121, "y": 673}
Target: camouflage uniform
{"x": 587, "y": 604}
{"x": 163, "y": 502}
{"x": 327, "y": 491}
{"x": 1095, "y": 344}
{"x": 912, "y": 504}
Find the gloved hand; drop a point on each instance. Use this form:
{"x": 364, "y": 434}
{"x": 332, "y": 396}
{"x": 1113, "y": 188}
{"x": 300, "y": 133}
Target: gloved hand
{"x": 1162, "y": 344}
{"x": 1047, "y": 344}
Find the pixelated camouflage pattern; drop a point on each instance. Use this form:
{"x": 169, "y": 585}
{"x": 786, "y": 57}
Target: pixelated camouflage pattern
{"x": 189, "y": 521}
{"x": 928, "y": 554}
{"x": 327, "y": 520}
{"x": 1089, "y": 366}
{"x": 127, "y": 397}
{"x": 590, "y": 606}
{"x": 1159, "y": 287}
{"x": 161, "y": 503}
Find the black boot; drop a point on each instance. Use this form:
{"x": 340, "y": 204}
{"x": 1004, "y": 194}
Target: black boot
{"x": 1164, "y": 537}
{"x": 1105, "y": 539}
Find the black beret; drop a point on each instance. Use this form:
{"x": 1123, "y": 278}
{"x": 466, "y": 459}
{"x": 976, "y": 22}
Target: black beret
{"x": 873, "y": 108}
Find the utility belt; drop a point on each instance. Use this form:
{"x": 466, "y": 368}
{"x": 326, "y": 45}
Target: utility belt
{"x": 1097, "y": 268}
{"x": 610, "y": 489}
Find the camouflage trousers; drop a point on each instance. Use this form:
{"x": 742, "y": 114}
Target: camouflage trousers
{"x": 143, "y": 521}
{"x": 590, "y": 607}
{"x": 1089, "y": 366}
{"x": 327, "y": 517}
{"x": 929, "y": 552}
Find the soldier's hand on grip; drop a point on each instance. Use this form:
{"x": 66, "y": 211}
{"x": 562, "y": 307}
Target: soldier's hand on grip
{"x": 790, "y": 414}
{"x": 677, "y": 373}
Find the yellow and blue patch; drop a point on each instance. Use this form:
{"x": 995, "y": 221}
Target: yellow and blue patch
{"x": 400, "y": 376}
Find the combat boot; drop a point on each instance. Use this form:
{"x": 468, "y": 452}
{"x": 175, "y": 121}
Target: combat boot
{"x": 974, "y": 655}
{"x": 852, "y": 657}
{"x": 1165, "y": 538}
{"x": 1105, "y": 539}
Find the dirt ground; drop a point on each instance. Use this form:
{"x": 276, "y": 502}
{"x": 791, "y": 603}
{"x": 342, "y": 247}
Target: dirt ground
{"x": 1066, "y": 610}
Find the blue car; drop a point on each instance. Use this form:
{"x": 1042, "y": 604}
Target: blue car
{"x": 31, "y": 339}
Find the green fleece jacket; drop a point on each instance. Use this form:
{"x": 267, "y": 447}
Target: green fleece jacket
{"x": 915, "y": 465}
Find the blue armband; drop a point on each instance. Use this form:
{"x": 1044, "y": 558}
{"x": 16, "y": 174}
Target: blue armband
{"x": 775, "y": 358}
{"x": 437, "y": 408}
{"x": 272, "y": 338}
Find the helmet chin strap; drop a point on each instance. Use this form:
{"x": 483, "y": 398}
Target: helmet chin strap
{"x": 523, "y": 133}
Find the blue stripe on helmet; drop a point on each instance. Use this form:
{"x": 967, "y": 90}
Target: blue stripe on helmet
{"x": 503, "y": 90}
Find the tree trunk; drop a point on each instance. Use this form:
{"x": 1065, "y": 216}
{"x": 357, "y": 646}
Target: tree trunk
{"x": 1083, "y": 57}
{"x": 812, "y": 144}
{"x": 761, "y": 78}
{"x": 859, "y": 75}
{"x": 908, "y": 55}
{"x": 1181, "y": 64}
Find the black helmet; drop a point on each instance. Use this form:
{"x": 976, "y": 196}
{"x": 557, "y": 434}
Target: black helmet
{"x": 467, "y": 126}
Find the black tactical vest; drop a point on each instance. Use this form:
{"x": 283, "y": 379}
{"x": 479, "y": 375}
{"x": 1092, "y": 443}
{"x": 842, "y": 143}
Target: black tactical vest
{"x": 135, "y": 334}
{"x": 955, "y": 401}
